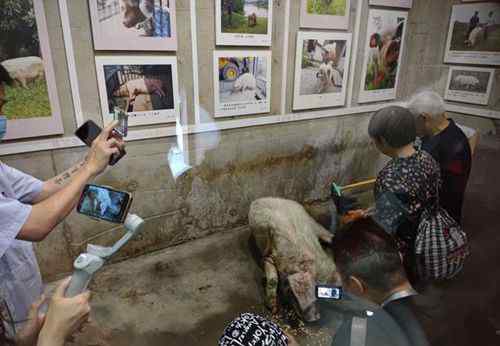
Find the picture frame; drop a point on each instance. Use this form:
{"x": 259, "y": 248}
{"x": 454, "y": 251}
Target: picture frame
{"x": 250, "y": 25}
{"x": 117, "y": 26}
{"x": 318, "y": 14}
{"x": 469, "y": 84}
{"x": 146, "y": 87}
{"x": 392, "y": 3}
{"x": 384, "y": 46}
{"x": 33, "y": 108}
{"x": 322, "y": 70}
{"x": 473, "y": 34}
{"x": 242, "y": 82}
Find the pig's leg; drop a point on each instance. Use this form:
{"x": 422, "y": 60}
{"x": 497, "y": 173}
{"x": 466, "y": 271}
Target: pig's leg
{"x": 271, "y": 285}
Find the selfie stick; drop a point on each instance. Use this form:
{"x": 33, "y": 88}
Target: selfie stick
{"x": 87, "y": 264}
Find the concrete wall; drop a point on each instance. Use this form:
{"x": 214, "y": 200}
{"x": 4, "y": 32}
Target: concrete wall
{"x": 231, "y": 168}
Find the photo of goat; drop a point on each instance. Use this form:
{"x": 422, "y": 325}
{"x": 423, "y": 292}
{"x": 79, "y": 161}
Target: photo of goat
{"x": 476, "y": 28}
{"x": 469, "y": 85}
{"x": 143, "y": 24}
{"x": 139, "y": 88}
{"x": 322, "y": 66}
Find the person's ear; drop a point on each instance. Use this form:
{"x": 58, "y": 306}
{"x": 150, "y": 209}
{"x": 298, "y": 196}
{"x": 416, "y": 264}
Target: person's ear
{"x": 426, "y": 117}
{"x": 356, "y": 286}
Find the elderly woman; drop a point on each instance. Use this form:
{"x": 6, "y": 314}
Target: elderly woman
{"x": 407, "y": 200}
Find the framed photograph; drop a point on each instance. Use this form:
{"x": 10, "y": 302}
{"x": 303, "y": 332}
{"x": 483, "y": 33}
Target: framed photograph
{"x": 321, "y": 69}
{"x": 325, "y": 14}
{"x": 242, "y": 82}
{"x": 244, "y": 22}
{"x": 474, "y": 34}
{"x": 393, "y": 3}
{"x": 139, "y": 25}
{"x": 383, "y": 51}
{"x": 144, "y": 86}
{"x": 469, "y": 85}
{"x": 32, "y": 107}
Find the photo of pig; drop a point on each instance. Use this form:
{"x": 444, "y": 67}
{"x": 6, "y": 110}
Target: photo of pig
{"x": 20, "y": 56}
{"x": 139, "y": 88}
{"x": 474, "y": 32}
{"x": 244, "y": 22}
{"x": 321, "y": 69}
{"x": 384, "y": 47}
{"x": 143, "y": 24}
{"x": 243, "y": 81}
{"x": 145, "y": 87}
{"x": 469, "y": 85}
{"x": 322, "y": 66}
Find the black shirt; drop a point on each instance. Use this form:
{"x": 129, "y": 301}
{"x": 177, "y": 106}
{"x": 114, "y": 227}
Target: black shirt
{"x": 451, "y": 149}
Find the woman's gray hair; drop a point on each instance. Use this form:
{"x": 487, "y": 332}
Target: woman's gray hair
{"x": 428, "y": 102}
{"x": 395, "y": 125}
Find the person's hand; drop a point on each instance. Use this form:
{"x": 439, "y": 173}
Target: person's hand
{"x": 65, "y": 316}
{"x": 102, "y": 148}
{"x": 28, "y": 336}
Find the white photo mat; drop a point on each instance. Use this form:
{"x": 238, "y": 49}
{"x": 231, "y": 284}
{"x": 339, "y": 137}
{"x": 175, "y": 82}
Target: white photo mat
{"x": 228, "y": 108}
{"x": 393, "y": 3}
{"x": 242, "y": 39}
{"x": 461, "y": 15}
{"x": 40, "y": 126}
{"x": 320, "y": 21}
{"x": 469, "y": 85}
{"x": 389, "y": 19}
{"x": 148, "y": 117}
{"x": 320, "y": 99}
{"x": 126, "y": 39}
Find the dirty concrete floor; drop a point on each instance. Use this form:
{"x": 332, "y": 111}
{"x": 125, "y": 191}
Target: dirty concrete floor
{"x": 185, "y": 295}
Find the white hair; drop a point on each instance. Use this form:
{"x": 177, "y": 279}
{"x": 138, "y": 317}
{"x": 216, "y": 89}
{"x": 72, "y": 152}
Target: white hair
{"x": 428, "y": 102}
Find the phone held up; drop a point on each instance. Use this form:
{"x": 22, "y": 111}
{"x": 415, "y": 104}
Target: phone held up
{"x": 328, "y": 292}
{"x": 104, "y": 203}
{"x": 89, "y": 131}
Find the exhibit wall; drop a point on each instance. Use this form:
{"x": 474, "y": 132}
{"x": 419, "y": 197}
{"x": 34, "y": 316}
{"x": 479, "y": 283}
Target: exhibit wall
{"x": 234, "y": 159}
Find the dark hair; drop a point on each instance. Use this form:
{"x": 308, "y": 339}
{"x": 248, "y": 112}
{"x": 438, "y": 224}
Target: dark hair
{"x": 396, "y": 125}
{"x": 5, "y": 76}
{"x": 363, "y": 250}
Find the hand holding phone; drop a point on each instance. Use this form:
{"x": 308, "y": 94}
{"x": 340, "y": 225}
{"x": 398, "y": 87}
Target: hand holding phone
{"x": 89, "y": 131}
{"x": 104, "y": 203}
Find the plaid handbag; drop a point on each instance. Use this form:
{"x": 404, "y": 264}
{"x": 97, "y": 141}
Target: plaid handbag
{"x": 441, "y": 245}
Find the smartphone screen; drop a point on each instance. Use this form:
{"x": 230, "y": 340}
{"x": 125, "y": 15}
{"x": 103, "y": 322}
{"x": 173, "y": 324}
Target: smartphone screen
{"x": 104, "y": 203}
{"x": 328, "y": 292}
{"x": 88, "y": 132}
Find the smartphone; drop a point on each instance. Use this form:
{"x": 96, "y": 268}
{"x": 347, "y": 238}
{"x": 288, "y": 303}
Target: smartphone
{"x": 89, "y": 131}
{"x": 328, "y": 292}
{"x": 104, "y": 203}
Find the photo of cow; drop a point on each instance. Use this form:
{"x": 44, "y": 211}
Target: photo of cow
{"x": 322, "y": 67}
{"x": 146, "y": 89}
{"x": 325, "y": 14}
{"x": 469, "y": 85}
{"x": 244, "y": 22}
{"x": 242, "y": 84}
{"x": 25, "y": 54}
{"x": 474, "y": 34}
{"x": 383, "y": 50}
{"x": 142, "y": 24}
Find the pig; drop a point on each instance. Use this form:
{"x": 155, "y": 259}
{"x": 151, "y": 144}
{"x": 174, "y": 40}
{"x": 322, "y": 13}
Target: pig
{"x": 288, "y": 240}
{"x": 252, "y": 20}
{"x": 146, "y": 86}
{"x": 132, "y": 13}
{"x": 244, "y": 82}
{"x": 475, "y": 36}
{"x": 25, "y": 70}
{"x": 466, "y": 82}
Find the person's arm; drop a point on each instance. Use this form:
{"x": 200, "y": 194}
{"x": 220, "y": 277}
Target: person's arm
{"x": 472, "y": 135}
{"x": 64, "y": 317}
{"x": 45, "y": 215}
